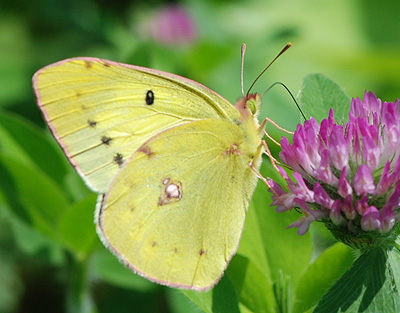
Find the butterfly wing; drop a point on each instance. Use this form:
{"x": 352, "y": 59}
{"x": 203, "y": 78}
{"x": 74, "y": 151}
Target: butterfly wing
{"x": 101, "y": 111}
{"x": 176, "y": 210}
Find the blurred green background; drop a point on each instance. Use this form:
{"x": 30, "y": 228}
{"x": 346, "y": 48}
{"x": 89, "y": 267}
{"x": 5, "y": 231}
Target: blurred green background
{"x": 354, "y": 42}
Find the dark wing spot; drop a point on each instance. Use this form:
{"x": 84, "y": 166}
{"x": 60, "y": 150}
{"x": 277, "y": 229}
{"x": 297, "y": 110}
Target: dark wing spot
{"x": 202, "y": 252}
{"x": 92, "y": 123}
{"x": 149, "y": 97}
{"x": 88, "y": 64}
{"x": 154, "y": 243}
{"x": 146, "y": 150}
{"x": 106, "y": 64}
{"x": 176, "y": 250}
{"x": 118, "y": 158}
{"x": 106, "y": 140}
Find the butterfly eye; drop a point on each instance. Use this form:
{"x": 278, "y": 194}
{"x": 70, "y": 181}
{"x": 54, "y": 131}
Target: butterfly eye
{"x": 252, "y": 105}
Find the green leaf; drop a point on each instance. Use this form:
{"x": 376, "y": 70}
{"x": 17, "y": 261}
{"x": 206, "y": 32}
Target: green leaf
{"x": 249, "y": 270}
{"x": 394, "y": 262}
{"x": 222, "y": 298}
{"x": 108, "y": 268}
{"x": 252, "y": 244}
{"x": 368, "y": 286}
{"x": 320, "y": 275}
{"x": 24, "y": 141}
{"x": 32, "y": 192}
{"x": 319, "y": 94}
{"x": 286, "y": 252}
{"x": 203, "y": 300}
{"x": 76, "y": 226}
{"x": 27, "y": 239}
{"x": 179, "y": 303}
{"x": 253, "y": 288}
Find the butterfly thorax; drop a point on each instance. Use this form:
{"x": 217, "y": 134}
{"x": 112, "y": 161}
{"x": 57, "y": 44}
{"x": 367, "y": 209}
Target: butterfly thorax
{"x": 248, "y": 107}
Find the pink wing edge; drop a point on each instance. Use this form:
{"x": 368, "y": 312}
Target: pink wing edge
{"x": 52, "y": 128}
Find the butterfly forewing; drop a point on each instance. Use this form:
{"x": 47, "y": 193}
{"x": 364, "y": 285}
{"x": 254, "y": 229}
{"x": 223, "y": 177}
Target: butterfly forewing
{"x": 101, "y": 112}
{"x": 176, "y": 210}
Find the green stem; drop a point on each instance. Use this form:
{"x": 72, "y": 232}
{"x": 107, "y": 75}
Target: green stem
{"x": 78, "y": 299}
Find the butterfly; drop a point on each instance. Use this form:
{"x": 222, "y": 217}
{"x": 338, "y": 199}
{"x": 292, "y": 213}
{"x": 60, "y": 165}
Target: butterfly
{"x": 174, "y": 163}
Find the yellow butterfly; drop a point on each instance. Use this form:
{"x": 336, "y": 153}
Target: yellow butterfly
{"x": 174, "y": 163}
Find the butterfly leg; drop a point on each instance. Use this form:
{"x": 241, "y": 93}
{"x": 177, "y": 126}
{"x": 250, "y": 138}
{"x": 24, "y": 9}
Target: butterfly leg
{"x": 273, "y": 162}
{"x": 277, "y": 193}
{"x": 263, "y": 124}
{"x": 272, "y": 159}
{"x": 265, "y": 180}
{"x": 262, "y": 128}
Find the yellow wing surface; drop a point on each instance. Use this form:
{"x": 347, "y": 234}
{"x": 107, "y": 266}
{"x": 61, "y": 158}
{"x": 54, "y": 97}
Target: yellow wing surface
{"x": 101, "y": 112}
{"x": 176, "y": 210}
{"x": 171, "y": 156}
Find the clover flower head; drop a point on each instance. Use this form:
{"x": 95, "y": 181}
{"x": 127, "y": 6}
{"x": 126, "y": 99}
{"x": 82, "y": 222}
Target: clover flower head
{"x": 347, "y": 176}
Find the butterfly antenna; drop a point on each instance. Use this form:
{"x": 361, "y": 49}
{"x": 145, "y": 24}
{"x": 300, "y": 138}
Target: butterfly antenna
{"x": 279, "y": 54}
{"x": 290, "y": 93}
{"x": 241, "y": 70}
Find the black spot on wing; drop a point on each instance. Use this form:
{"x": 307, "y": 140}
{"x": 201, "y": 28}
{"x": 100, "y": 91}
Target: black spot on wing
{"x": 149, "y": 97}
{"x": 92, "y": 123}
{"x": 118, "y": 158}
{"x": 106, "y": 140}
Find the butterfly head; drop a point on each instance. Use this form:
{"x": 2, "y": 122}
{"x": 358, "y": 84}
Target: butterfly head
{"x": 248, "y": 105}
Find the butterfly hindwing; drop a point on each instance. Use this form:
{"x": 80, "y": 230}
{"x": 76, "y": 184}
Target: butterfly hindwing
{"x": 101, "y": 111}
{"x": 176, "y": 209}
